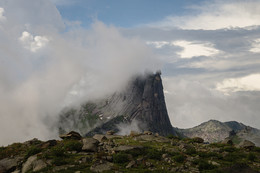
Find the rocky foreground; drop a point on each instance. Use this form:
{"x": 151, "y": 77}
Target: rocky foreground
{"x": 137, "y": 152}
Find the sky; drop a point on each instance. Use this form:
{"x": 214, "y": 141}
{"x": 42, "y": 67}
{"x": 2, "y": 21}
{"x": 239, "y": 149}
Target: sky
{"x": 55, "y": 53}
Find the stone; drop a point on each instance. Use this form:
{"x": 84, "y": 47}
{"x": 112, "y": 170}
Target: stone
{"x": 110, "y": 132}
{"x": 71, "y": 135}
{"x": 49, "y": 143}
{"x": 134, "y": 133}
{"x": 90, "y": 144}
{"x": 146, "y": 138}
{"x": 131, "y": 164}
{"x": 33, "y": 164}
{"x": 147, "y": 133}
{"x": 9, "y": 164}
{"x": 246, "y": 144}
{"x": 214, "y": 163}
{"x": 198, "y": 140}
{"x": 101, "y": 167}
{"x": 165, "y": 156}
{"x": 100, "y": 138}
{"x": 227, "y": 141}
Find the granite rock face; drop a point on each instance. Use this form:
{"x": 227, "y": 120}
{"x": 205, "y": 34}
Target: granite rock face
{"x": 143, "y": 103}
{"x": 140, "y": 106}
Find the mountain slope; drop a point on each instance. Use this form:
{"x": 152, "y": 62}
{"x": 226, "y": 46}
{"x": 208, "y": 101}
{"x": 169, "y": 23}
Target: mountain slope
{"x": 141, "y": 106}
{"x": 215, "y": 131}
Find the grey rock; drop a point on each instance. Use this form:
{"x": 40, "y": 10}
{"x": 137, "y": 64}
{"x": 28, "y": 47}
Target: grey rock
{"x": 100, "y": 138}
{"x": 227, "y": 141}
{"x": 246, "y": 144}
{"x": 101, "y": 167}
{"x": 71, "y": 135}
{"x": 9, "y": 164}
{"x": 131, "y": 164}
{"x": 90, "y": 144}
{"x": 33, "y": 164}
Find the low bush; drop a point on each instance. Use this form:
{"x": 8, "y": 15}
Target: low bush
{"x": 57, "y": 151}
{"x": 73, "y": 145}
{"x": 154, "y": 154}
{"x": 204, "y": 165}
{"x": 32, "y": 151}
{"x": 179, "y": 158}
{"x": 120, "y": 158}
{"x": 251, "y": 157}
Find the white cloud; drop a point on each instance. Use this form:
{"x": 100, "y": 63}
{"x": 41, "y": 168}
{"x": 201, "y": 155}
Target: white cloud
{"x": 217, "y": 15}
{"x": 192, "y": 49}
{"x": 2, "y": 17}
{"x": 158, "y": 44}
{"x": 247, "y": 83}
{"x": 255, "y": 46}
{"x": 33, "y": 43}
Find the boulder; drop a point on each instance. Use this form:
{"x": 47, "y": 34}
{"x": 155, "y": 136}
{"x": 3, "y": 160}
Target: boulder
{"x": 227, "y": 141}
{"x": 134, "y": 133}
{"x": 110, "y": 132}
{"x": 49, "y": 143}
{"x": 101, "y": 167}
{"x": 71, "y": 135}
{"x": 131, "y": 164}
{"x": 246, "y": 144}
{"x": 146, "y": 138}
{"x": 147, "y": 133}
{"x": 33, "y": 164}
{"x": 100, "y": 138}
{"x": 9, "y": 164}
{"x": 198, "y": 140}
{"x": 90, "y": 144}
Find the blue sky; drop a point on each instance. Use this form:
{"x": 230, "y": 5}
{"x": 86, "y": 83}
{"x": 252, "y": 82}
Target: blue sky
{"x": 56, "y": 53}
{"x": 122, "y": 13}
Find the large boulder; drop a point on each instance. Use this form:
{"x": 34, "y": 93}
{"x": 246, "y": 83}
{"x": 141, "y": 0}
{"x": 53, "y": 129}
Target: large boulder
{"x": 90, "y": 144}
{"x": 246, "y": 144}
{"x": 71, "y": 135}
{"x": 101, "y": 167}
{"x": 9, "y": 164}
{"x": 100, "y": 138}
{"x": 33, "y": 164}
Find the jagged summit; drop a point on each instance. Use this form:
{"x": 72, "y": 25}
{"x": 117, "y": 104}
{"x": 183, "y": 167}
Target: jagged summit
{"x": 140, "y": 106}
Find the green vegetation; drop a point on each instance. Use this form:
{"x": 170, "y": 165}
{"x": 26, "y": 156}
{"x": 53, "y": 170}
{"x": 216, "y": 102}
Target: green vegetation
{"x": 72, "y": 145}
{"x": 120, "y": 158}
{"x": 32, "y": 151}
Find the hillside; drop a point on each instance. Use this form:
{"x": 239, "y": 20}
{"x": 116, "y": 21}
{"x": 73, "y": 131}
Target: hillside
{"x": 216, "y": 131}
{"x": 136, "y": 152}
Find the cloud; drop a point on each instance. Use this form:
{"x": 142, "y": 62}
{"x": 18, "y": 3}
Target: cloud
{"x": 192, "y": 49}
{"x": 255, "y": 46}
{"x": 247, "y": 83}
{"x": 33, "y": 43}
{"x": 2, "y": 17}
{"x": 216, "y": 15}
{"x": 37, "y": 84}
{"x": 191, "y": 102}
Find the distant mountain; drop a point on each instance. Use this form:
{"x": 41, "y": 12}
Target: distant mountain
{"x": 140, "y": 106}
{"x": 215, "y": 131}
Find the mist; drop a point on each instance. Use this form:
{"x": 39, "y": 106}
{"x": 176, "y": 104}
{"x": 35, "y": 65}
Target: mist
{"x": 47, "y": 64}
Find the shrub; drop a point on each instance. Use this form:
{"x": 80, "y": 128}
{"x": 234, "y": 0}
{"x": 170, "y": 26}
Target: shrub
{"x": 32, "y": 151}
{"x": 229, "y": 149}
{"x": 57, "y": 151}
{"x": 197, "y": 140}
{"x": 58, "y": 161}
{"x": 251, "y": 157}
{"x": 204, "y": 165}
{"x": 120, "y": 158}
{"x": 191, "y": 151}
{"x": 73, "y": 145}
{"x": 154, "y": 154}
{"x": 179, "y": 158}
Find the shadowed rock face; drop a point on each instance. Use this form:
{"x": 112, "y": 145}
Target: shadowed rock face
{"x": 141, "y": 102}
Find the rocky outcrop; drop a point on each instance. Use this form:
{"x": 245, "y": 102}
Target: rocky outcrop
{"x": 140, "y": 106}
{"x": 216, "y": 131}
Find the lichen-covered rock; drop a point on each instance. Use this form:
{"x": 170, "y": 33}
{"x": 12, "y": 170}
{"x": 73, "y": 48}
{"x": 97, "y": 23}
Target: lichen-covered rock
{"x": 101, "y": 167}
{"x": 71, "y": 135}
{"x": 246, "y": 144}
{"x": 90, "y": 144}
{"x": 9, "y": 164}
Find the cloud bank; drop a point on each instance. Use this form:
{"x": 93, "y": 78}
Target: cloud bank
{"x": 46, "y": 66}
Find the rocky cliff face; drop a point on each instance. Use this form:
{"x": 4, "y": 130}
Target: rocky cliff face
{"x": 140, "y": 106}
